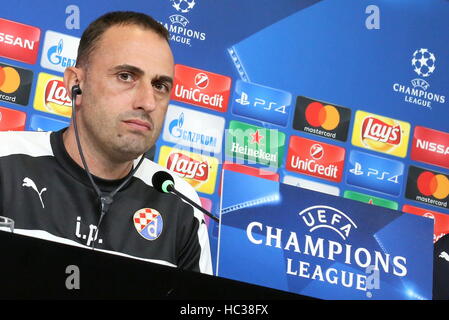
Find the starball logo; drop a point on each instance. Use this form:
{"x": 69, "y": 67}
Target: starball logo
{"x": 19, "y": 41}
{"x": 179, "y": 26}
{"x": 381, "y": 134}
{"x": 424, "y": 64}
{"x": 201, "y": 88}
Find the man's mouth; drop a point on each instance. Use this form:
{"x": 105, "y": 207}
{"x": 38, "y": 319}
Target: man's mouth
{"x": 139, "y": 124}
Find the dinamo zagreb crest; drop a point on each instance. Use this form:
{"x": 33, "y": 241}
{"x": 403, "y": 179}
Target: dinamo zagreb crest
{"x": 148, "y": 223}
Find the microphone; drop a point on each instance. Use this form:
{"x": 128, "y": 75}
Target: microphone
{"x": 164, "y": 182}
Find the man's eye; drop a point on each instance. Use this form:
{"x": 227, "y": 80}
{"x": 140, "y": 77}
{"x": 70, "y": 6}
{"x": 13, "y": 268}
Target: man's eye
{"x": 124, "y": 76}
{"x": 161, "y": 87}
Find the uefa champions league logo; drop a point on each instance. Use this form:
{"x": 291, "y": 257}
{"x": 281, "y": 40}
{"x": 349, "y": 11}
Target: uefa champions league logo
{"x": 423, "y": 62}
{"x": 183, "y": 6}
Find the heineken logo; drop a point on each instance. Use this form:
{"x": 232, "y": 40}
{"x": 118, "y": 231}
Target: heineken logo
{"x": 254, "y": 145}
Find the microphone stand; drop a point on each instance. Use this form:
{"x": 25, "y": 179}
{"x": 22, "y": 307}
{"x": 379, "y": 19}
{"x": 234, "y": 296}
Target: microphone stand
{"x": 172, "y": 189}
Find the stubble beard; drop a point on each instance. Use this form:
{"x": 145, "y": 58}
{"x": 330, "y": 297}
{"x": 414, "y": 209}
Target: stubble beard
{"x": 104, "y": 134}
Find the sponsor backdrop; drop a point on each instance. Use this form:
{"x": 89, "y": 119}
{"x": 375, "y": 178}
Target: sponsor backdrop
{"x": 320, "y": 245}
{"x": 343, "y": 97}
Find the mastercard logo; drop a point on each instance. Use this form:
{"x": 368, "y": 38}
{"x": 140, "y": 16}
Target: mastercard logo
{"x": 436, "y": 185}
{"x": 324, "y": 116}
{"x": 320, "y": 118}
{"x": 9, "y": 80}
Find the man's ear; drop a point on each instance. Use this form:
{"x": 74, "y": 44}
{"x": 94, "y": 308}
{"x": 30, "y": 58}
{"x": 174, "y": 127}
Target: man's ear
{"x": 73, "y": 76}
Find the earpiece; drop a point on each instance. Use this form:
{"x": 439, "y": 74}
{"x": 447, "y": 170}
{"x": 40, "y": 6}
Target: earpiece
{"x": 76, "y": 90}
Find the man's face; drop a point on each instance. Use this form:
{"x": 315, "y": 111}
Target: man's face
{"x": 126, "y": 91}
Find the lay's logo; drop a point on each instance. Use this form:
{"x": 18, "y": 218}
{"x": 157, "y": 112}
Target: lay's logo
{"x": 381, "y": 134}
{"x": 52, "y": 96}
{"x": 378, "y": 130}
{"x": 188, "y": 167}
{"x": 55, "y": 92}
{"x": 198, "y": 170}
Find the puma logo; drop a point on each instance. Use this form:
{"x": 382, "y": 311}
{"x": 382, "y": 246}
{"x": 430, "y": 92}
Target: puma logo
{"x": 444, "y": 255}
{"x": 27, "y": 182}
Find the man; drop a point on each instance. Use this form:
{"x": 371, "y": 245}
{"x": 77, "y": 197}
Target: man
{"x": 53, "y": 185}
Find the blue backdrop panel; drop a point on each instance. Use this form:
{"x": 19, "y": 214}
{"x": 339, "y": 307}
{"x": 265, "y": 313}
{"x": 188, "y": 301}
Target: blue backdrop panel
{"x": 385, "y": 58}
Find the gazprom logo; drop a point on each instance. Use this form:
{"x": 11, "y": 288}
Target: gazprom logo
{"x": 59, "y": 51}
{"x": 318, "y": 217}
{"x": 186, "y": 127}
{"x": 175, "y": 126}
{"x": 54, "y": 55}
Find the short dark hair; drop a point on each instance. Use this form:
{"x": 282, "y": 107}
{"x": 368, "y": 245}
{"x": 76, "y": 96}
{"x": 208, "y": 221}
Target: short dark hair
{"x": 95, "y": 30}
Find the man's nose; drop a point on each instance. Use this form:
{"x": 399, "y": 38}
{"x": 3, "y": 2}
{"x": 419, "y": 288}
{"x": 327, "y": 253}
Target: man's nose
{"x": 145, "y": 97}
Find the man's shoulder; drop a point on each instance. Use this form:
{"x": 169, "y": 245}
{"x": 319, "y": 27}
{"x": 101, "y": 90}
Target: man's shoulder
{"x": 25, "y": 142}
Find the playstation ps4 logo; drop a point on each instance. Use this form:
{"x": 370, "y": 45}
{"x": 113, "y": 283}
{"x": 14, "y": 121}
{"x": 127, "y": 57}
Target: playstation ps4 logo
{"x": 375, "y": 173}
{"x": 261, "y": 103}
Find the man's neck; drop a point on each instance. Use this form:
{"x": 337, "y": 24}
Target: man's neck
{"x": 98, "y": 163}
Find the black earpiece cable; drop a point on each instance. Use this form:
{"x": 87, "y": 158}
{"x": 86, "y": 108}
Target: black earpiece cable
{"x": 106, "y": 199}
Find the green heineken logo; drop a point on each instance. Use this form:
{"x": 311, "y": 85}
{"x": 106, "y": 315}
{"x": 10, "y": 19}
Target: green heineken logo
{"x": 255, "y": 144}
{"x": 370, "y": 199}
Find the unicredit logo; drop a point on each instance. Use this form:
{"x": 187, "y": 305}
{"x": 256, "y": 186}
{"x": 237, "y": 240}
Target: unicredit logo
{"x": 315, "y": 159}
{"x": 201, "y": 88}
{"x": 201, "y": 80}
{"x": 19, "y": 41}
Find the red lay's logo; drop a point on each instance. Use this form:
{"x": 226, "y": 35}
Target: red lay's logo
{"x": 55, "y": 92}
{"x": 381, "y": 134}
{"x": 201, "y": 88}
{"x": 188, "y": 167}
{"x": 378, "y": 130}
